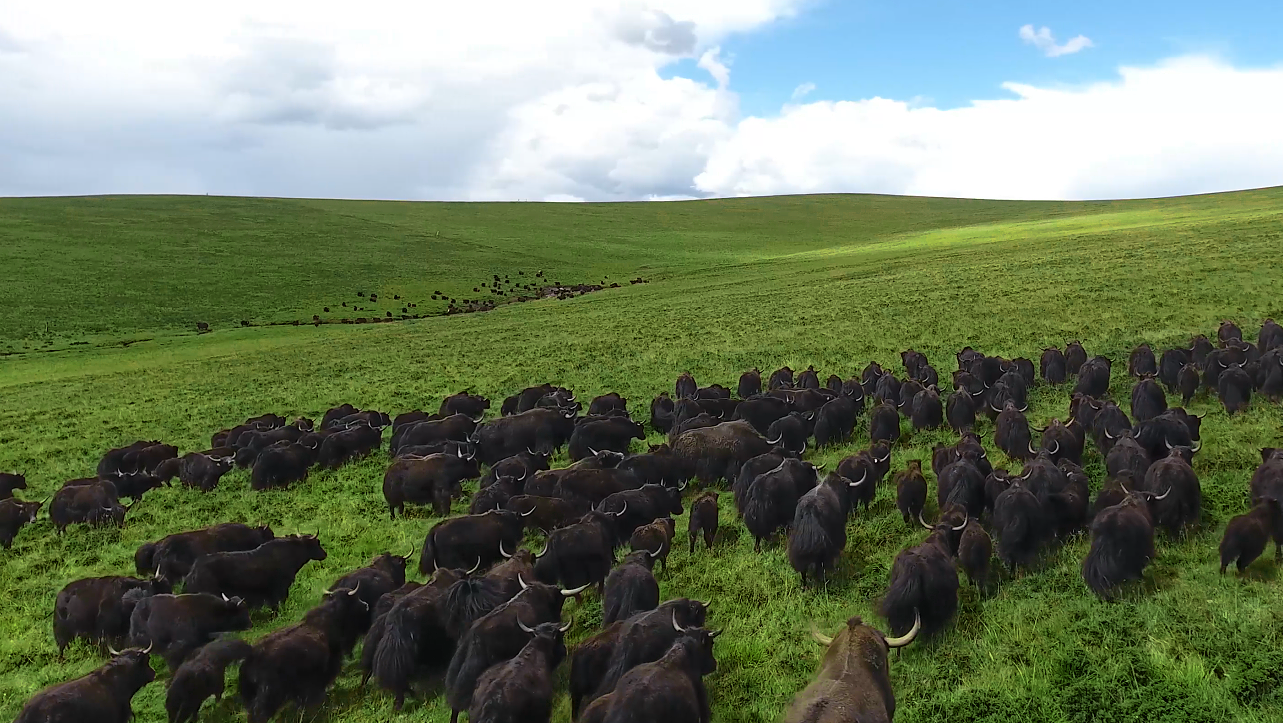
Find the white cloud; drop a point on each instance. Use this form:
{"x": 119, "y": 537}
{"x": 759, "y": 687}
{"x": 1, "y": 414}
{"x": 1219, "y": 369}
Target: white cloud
{"x": 506, "y": 100}
{"x": 802, "y": 91}
{"x": 1043, "y": 40}
{"x": 1188, "y": 125}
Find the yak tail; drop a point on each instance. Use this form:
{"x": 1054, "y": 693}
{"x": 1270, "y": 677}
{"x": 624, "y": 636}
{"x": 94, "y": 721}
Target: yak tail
{"x": 428, "y": 558}
{"x": 903, "y": 598}
{"x": 1095, "y": 573}
{"x": 396, "y": 654}
{"x": 809, "y": 544}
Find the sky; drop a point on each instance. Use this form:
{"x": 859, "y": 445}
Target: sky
{"x": 578, "y": 100}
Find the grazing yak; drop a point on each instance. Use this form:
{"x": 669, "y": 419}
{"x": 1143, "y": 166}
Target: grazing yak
{"x": 261, "y": 576}
{"x": 853, "y": 683}
{"x": 14, "y": 513}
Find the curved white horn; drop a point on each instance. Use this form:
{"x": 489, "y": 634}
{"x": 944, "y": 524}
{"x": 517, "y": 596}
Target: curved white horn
{"x": 959, "y": 527}
{"x": 1032, "y": 451}
{"x": 524, "y": 472}
{"x": 592, "y": 451}
{"x": 776, "y": 440}
{"x": 821, "y": 638}
{"x": 860, "y": 481}
{"x": 523, "y": 626}
{"x": 819, "y": 466}
{"x": 677, "y": 627}
{"x": 908, "y": 637}
{"x": 575, "y": 590}
{"x": 544, "y": 551}
{"x": 1057, "y": 449}
{"x": 501, "y": 551}
{"x": 353, "y": 590}
{"x": 476, "y": 566}
{"x": 564, "y": 628}
{"x": 148, "y": 648}
{"x": 521, "y": 582}
{"x": 113, "y": 651}
{"x": 1164, "y": 495}
{"x": 1196, "y": 445}
{"x": 225, "y": 598}
{"x": 532, "y": 452}
{"x": 622, "y": 510}
{"x": 527, "y": 514}
{"x": 1108, "y": 435}
{"x": 924, "y": 522}
{"x": 656, "y": 553}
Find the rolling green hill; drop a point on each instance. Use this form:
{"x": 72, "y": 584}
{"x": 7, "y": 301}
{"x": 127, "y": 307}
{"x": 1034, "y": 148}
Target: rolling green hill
{"x": 104, "y": 294}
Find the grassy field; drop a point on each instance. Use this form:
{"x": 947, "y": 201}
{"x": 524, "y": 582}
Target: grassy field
{"x": 99, "y": 327}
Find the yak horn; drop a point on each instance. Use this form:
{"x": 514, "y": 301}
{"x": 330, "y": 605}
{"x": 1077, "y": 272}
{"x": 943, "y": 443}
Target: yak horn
{"x": 820, "y": 466}
{"x": 821, "y": 638}
{"x": 113, "y": 651}
{"x": 924, "y": 522}
{"x": 1164, "y": 495}
{"x": 1032, "y": 451}
{"x": 408, "y": 555}
{"x": 501, "y": 551}
{"x": 476, "y": 566}
{"x": 592, "y": 451}
{"x": 959, "y": 527}
{"x": 1023, "y": 409}
{"x": 883, "y": 459}
{"x": 908, "y": 637}
{"x": 677, "y": 627}
{"x": 532, "y": 452}
{"x": 225, "y": 598}
{"x": 776, "y": 440}
{"x": 564, "y": 628}
{"x": 531, "y": 512}
{"x": 353, "y": 590}
{"x": 149, "y": 647}
{"x": 544, "y": 551}
{"x": 1108, "y": 435}
{"x": 656, "y": 553}
{"x": 521, "y": 582}
{"x": 1196, "y": 445}
{"x": 523, "y": 626}
{"x": 575, "y": 590}
{"x": 1057, "y": 449}
{"x": 863, "y": 477}
{"x": 524, "y": 472}
{"x": 621, "y": 512}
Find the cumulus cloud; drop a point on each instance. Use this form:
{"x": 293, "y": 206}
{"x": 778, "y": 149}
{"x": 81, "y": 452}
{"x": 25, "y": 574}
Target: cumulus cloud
{"x": 507, "y": 100}
{"x": 1043, "y": 40}
{"x": 1187, "y": 125}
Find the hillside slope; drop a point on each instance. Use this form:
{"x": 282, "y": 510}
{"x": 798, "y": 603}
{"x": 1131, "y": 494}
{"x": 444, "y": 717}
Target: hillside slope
{"x": 829, "y": 281}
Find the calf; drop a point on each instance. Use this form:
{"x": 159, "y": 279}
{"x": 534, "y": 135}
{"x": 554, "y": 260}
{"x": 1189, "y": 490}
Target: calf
{"x": 703, "y": 519}
{"x": 670, "y": 689}
{"x": 14, "y": 513}
{"x": 1247, "y": 535}
{"x": 521, "y": 689}
{"x": 103, "y": 695}
{"x": 434, "y": 479}
{"x": 298, "y": 663}
{"x": 853, "y": 677}
{"x": 911, "y": 491}
{"x": 172, "y": 556}
{"x": 655, "y": 538}
{"x": 630, "y": 588}
{"x": 261, "y": 576}
{"x": 201, "y": 678}
{"x": 98, "y": 608}
{"x": 975, "y": 548}
{"x": 175, "y": 626}
{"x": 1187, "y": 381}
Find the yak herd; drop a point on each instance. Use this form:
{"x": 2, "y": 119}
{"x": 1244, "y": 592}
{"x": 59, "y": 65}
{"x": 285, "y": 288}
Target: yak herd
{"x": 488, "y": 617}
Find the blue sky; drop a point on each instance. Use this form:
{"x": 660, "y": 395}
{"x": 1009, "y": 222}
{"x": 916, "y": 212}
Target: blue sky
{"x": 949, "y": 53}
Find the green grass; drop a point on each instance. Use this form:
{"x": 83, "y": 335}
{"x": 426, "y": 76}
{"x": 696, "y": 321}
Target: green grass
{"x": 827, "y": 280}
